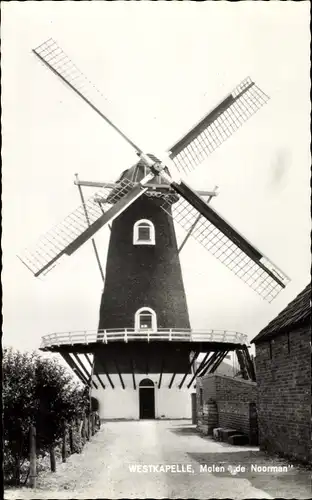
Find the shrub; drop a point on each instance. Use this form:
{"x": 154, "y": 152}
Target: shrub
{"x": 40, "y": 392}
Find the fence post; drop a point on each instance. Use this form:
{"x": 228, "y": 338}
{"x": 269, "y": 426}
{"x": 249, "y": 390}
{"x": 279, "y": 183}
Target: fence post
{"x": 52, "y": 459}
{"x": 84, "y": 429}
{"x": 32, "y": 457}
{"x": 92, "y": 423}
{"x": 88, "y": 426}
{"x": 71, "y": 438}
{"x": 63, "y": 441}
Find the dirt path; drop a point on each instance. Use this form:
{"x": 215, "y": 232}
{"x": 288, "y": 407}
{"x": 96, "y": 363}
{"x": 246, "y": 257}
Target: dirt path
{"x": 103, "y": 469}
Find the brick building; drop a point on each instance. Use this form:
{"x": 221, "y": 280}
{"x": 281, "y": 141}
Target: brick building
{"x": 283, "y": 370}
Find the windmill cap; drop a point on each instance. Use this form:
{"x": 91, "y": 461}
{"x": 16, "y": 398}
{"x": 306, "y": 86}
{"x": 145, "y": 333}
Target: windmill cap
{"x": 139, "y": 170}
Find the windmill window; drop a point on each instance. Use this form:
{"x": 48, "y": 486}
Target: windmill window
{"x": 145, "y": 320}
{"x": 144, "y": 233}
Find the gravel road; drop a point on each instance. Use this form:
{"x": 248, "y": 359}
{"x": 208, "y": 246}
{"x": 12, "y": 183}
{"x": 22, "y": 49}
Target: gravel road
{"x": 103, "y": 469}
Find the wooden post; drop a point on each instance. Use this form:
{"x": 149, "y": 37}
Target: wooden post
{"x": 64, "y": 442}
{"x": 52, "y": 459}
{"x": 87, "y": 427}
{"x": 71, "y": 438}
{"x": 83, "y": 430}
{"x": 17, "y": 470}
{"x": 93, "y": 423}
{"x": 32, "y": 457}
{"x": 90, "y": 425}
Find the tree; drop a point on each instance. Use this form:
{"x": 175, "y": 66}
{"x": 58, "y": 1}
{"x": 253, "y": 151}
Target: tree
{"x": 19, "y": 408}
{"x": 40, "y": 392}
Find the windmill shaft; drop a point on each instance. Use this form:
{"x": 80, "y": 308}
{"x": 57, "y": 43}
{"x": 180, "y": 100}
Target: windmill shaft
{"x": 93, "y": 241}
{"x": 189, "y": 233}
{"x": 193, "y": 226}
{"x": 138, "y": 150}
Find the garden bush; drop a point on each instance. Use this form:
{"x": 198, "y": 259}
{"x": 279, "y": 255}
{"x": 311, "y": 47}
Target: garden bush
{"x": 36, "y": 391}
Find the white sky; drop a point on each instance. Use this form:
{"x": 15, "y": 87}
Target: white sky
{"x": 161, "y": 66}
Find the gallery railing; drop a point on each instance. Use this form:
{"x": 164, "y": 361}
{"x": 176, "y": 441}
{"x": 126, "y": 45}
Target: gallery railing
{"x": 131, "y": 334}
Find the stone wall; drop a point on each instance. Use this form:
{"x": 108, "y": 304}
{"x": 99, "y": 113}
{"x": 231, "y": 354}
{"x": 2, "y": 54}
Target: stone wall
{"x": 235, "y": 405}
{"x": 241, "y": 416}
{"x": 283, "y": 367}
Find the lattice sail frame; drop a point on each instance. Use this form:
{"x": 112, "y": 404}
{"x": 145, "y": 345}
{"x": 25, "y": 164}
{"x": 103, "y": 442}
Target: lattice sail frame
{"x": 58, "y": 60}
{"x": 243, "y": 102}
{"x": 55, "y": 241}
{"x": 226, "y": 251}
{"x": 186, "y": 154}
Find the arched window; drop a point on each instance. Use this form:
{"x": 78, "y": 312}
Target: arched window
{"x": 145, "y": 320}
{"x": 143, "y": 232}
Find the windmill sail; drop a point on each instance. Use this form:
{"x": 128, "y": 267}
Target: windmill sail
{"x": 225, "y": 243}
{"x": 69, "y": 235}
{"x": 217, "y": 126}
{"x": 59, "y": 63}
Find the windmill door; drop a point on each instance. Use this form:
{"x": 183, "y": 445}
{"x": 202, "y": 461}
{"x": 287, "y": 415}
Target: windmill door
{"x": 147, "y": 399}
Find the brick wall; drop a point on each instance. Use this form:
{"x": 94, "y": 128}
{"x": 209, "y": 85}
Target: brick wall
{"x": 283, "y": 368}
{"x": 235, "y": 400}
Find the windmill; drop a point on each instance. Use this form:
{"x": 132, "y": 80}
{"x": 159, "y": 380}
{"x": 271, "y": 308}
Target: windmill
{"x": 147, "y": 191}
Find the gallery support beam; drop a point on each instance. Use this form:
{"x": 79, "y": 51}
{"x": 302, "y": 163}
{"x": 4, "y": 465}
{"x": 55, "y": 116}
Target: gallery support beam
{"x": 103, "y": 367}
{"x": 161, "y": 373}
{"x": 133, "y": 373}
{"x": 242, "y": 363}
{"x": 119, "y": 374}
{"x": 94, "y": 372}
{"x": 172, "y": 379}
{"x": 188, "y": 368}
{"x": 74, "y": 367}
{"x": 84, "y": 370}
{"x": 198, "y": 370}
{"x": 208, "y": 364}
{"x": 249, "y": 364}
{"x": 218, "y": 361}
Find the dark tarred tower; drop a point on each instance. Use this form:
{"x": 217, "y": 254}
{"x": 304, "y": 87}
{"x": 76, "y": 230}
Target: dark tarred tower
{"x": 143, "y": 276}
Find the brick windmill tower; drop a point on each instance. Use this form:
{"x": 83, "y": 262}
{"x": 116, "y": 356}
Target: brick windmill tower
{"x": 144, "y": 349}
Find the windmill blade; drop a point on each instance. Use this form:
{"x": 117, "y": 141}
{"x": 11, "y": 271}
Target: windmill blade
{"x": 225, "y": 243}
{"x": 59, "y": 63}
{"x": 76, "y": 229}
{"x": 217, "y": 126}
